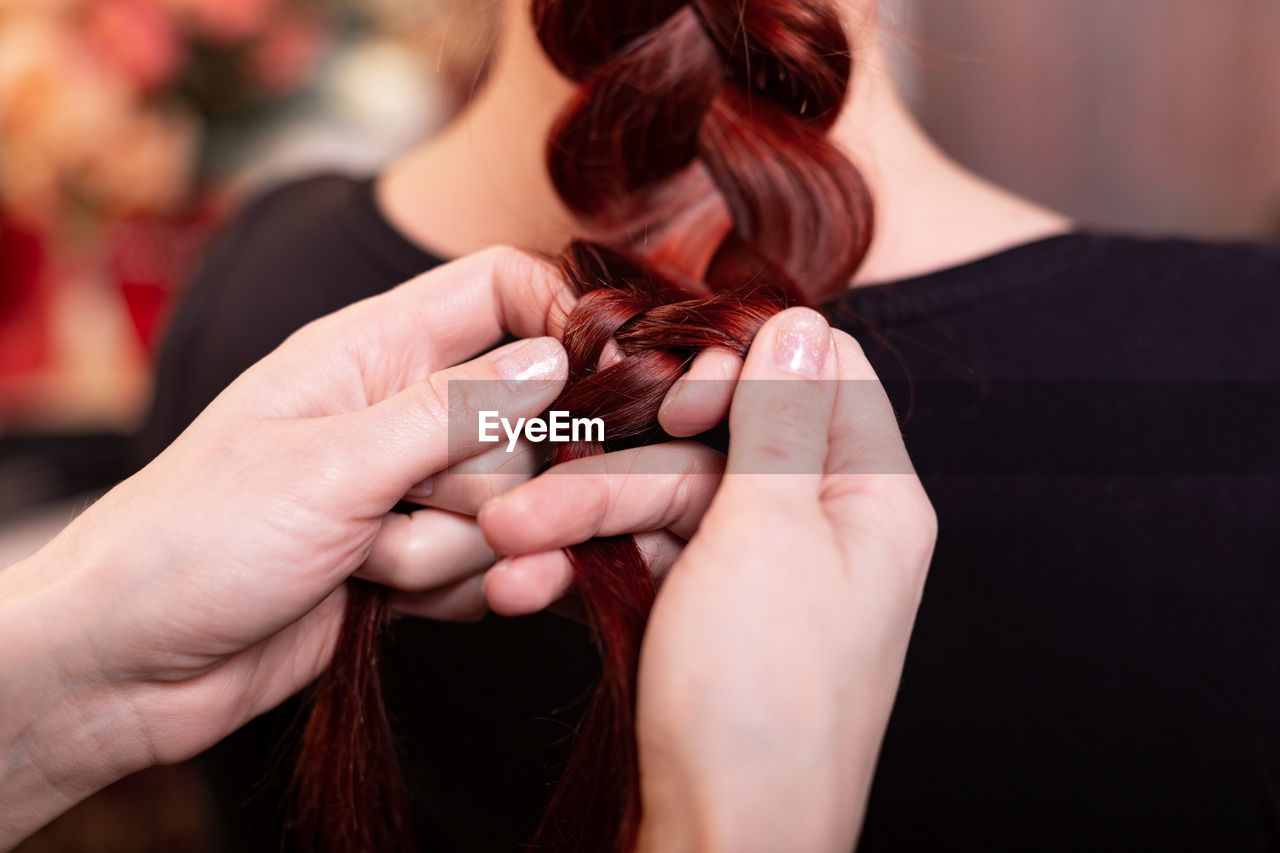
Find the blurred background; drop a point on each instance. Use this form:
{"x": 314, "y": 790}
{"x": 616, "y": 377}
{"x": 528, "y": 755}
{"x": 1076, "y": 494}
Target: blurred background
{"x": 130, "y": 129}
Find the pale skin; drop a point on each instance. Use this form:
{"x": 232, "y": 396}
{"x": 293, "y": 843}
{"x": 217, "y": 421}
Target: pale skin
{"x": 208, "y": 587}
{"x": 91, "y": 691}
{"x": 483, "y": 181}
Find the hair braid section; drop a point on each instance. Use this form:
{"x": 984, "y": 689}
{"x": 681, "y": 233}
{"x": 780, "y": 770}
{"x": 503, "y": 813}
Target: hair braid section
{"x": 658, "y": 326}
{"x": 698, "y": 132}
{"x": 680, "y": 103}
{"x": 735, "y": 93}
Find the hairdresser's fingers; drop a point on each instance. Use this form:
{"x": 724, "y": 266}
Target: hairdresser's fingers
{"x": 865, "y": 437}
{"x": 467, "y": 485}
{"x": 462, "y": 601}
{"x": 390, "y": 447}
{"x": 665, "y": 485}
{"x": 426, "y": 549}
{"x": 660, "y": 549}
{"x": 533, "y": 582}
{"x": 278, "y": 666}
{"x": 782, "y": 409}
{"x": 455, "y": 311}
{"x": 527, "y": 584}
{"x": 700, "y": 399}
{"x": 871, "y": 493}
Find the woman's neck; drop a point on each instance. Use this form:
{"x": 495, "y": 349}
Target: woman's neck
{"x": 483, "y": 180}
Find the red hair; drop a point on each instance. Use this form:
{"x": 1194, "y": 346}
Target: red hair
{"x": 697, "y": 144}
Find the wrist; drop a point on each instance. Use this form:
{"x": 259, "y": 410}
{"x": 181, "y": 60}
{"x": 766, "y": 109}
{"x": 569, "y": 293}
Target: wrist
{"x": 742, "y": 815}
{"x": 65, "y": 732}
{"x": 805, "y": 791}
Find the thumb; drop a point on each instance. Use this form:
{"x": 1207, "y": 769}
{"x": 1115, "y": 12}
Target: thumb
{"x": 782, "y": 407}
{"x": 387, "y": 448}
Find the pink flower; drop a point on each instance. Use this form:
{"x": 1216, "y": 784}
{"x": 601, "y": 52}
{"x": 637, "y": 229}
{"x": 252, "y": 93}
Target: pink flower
{"x": 288, "y": 52}
{"x": 138, "y": 38}
{"x": 227, "y": 21}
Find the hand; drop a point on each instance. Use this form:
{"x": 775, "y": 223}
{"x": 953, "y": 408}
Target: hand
{"x": 658, "y": 493}
{"x": 775, "y": 646}
{"x": 535, "y": 519}
{"x": 209, "y": 586}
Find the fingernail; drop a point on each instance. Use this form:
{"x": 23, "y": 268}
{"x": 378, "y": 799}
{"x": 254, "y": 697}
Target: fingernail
{"x": 540, "y": 358}
{"x": 673, "y": 394}
{"x": 423, "y": 489}
{"x": 502, "y": 565}
{"x": 802, "y": 343}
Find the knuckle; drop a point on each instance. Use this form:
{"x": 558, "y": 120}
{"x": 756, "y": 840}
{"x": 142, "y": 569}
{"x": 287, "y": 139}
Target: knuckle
{"x": 415, "y": 554}
{"x": 682, "y": 501}
{"x": 788, "y": 415}
{"x": 433, "y": 402}
{"x": 912, "y": 519}
{"x": 926, "y": 520}
{"x": 479, "y": 488}
{"x": 787, "y": 442}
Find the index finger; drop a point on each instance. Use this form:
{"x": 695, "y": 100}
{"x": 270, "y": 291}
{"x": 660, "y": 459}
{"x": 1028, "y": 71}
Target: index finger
{"x": 456, "y": 311}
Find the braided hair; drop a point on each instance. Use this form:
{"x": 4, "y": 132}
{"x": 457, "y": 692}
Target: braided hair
{"x": 696, "y": 145}
{"x": 675, "y": 96}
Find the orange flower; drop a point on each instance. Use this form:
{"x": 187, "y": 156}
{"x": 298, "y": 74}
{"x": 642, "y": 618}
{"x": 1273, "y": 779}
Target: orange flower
{"x": 145, "y": 166}
{"x": 56, "y": 109}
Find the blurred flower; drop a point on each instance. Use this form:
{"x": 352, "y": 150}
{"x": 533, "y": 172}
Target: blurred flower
{"x": 101, "y": 100}
{"x": 226, "y": 21}
{"x": 145, "y": 165}
{"x": 138, "y": 37}
{"x": 56, "y": 109}
{"x": 116, "y": 121}
{"x": 372, "y": 82}
{"x": 28, "y": 7}
{"x": 287, "y": 53}
{"x": 24, "y": 344}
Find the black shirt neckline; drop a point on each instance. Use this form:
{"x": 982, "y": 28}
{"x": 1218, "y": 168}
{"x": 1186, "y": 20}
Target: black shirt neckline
{"x": 895, "y": 301}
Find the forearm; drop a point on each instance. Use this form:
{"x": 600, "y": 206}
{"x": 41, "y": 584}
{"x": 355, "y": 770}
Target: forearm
{"x": 63, "y": 733}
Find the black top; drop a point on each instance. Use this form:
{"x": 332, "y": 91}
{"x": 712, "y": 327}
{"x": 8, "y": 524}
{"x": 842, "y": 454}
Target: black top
{"x": 1095, "y": 663}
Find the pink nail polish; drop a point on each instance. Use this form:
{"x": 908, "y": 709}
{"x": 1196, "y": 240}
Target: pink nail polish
{"x": 802, "y": 343}
{"x": 540, "y": 358}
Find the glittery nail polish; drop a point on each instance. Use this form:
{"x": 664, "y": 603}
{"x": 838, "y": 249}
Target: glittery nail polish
{"x": 540, "y": 358}
{"x": 802, "y": 342}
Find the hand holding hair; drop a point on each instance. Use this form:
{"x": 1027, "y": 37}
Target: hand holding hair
{"x": 208, "y": 587}
{"x": 775, "y": 645}
{"x": 772, "y": 655}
